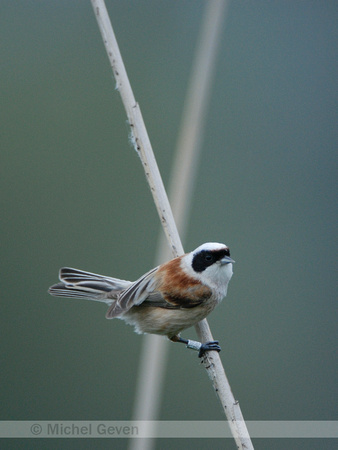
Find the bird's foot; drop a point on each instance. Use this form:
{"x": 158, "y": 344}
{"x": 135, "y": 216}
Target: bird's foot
{"x": 209, "y": 346}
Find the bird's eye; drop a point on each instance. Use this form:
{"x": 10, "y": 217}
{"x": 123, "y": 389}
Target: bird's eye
{"x": 208, "y": 257}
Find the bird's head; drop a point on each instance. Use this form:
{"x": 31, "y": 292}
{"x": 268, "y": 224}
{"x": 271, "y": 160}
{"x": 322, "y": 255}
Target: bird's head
{"x": 211, "y": 264}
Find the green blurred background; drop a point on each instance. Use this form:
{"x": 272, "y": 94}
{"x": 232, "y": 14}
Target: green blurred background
{"x": 73, "y": 193}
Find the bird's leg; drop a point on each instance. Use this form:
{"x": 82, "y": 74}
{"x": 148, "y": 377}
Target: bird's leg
{"x": 195, "y": 345}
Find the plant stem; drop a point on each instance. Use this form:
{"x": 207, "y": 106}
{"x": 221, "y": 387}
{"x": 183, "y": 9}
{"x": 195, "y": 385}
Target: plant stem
{"x": 142, "y": 145}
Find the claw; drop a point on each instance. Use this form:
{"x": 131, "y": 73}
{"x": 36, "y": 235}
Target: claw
{"x": 209, "y": 346}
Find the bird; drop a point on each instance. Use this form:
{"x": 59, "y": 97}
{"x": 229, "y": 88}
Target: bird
{"x": 166, "y": 300}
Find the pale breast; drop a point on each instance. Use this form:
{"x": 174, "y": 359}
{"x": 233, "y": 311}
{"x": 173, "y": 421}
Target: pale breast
{"x": 168, "y": 322}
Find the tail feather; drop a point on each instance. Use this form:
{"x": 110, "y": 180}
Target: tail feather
{"x": 86, "y": 285}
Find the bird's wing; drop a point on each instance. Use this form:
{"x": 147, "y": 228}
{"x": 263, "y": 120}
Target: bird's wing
{"x": 180, "y": 301}
{"x": 144, "y": 291}
{"x": 135, "y": 294}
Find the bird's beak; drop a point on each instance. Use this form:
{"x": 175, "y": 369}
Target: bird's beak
{"x": 226, "y": 260}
